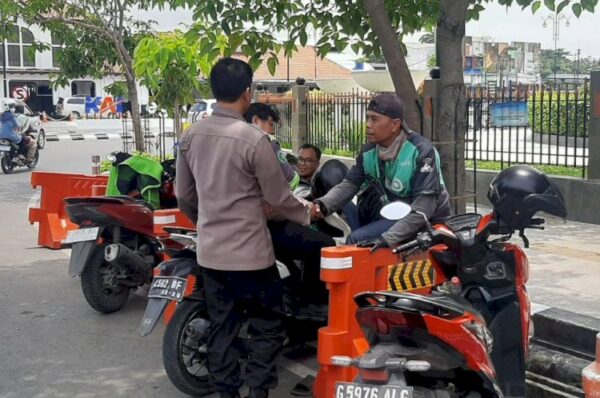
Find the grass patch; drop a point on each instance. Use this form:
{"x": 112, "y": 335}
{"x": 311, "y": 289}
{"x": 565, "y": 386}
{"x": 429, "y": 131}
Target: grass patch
{"x": 562, "y": 171}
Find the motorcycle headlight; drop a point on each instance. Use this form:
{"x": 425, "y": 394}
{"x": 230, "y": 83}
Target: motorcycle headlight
{"x": 482, "y": 333}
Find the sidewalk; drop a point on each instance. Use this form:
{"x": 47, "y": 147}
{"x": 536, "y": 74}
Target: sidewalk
{"x": 564, "y": 264}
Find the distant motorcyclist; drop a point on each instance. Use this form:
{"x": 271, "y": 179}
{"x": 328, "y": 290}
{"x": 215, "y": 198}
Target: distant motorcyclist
{"x": 10, "y": 128}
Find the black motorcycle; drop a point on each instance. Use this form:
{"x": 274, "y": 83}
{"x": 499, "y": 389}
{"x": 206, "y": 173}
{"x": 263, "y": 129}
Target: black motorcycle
{"x": 14, "y": 155}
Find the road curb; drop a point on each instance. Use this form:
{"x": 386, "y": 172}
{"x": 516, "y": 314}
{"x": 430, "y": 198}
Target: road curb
{"x": 563, "y": 344}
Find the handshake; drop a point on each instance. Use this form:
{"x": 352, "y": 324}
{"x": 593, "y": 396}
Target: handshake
{"x": 314, "y": 208}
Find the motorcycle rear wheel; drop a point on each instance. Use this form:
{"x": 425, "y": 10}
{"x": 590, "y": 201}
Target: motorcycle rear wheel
{"x": 7, "y": 165}
{"x": 98, "y": 293}
{"x": 180, "y": 358}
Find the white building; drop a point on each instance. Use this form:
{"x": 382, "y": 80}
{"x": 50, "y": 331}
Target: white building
{"x": 34, "y": 73}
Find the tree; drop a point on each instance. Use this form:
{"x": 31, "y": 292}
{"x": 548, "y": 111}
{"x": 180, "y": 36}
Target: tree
{"x": 555, "y": 62}
{"x": 373, "y": 29}
{"x": 171, "y": 66}
{"x": 99, "y": 37}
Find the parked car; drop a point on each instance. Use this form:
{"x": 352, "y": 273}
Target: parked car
{"x": 73, "y": 105}
{"x": 35, "y": 124}
{"x": 201, "y": 109}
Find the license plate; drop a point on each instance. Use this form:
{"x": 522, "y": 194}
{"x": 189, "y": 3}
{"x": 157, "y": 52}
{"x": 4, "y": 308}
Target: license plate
{"x": 168, "y": 287}
{"x": 4, "y": 148}
{"x": 82, "y": 235}
{"x": 357, "y": 390}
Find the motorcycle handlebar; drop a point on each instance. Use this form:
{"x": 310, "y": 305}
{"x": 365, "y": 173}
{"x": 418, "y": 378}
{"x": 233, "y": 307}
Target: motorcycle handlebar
{"x": 407, "y": 246}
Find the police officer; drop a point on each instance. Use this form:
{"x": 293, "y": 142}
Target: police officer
{"x": 396, "y": 164}
{"x": 226, "y": 170}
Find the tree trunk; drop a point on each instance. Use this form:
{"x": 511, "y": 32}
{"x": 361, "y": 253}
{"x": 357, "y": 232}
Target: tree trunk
{"x": 451, "y": 125}
{"x": 135, "y": 116}
{"x": 177, "y": 120}
{"x": 394, "y": 57}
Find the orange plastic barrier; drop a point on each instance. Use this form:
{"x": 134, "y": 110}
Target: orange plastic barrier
{"x": 591, "y": 375}
{"x": 170, "y": 218}
{"x": 51, "y": 216}
{"x": 347, "y": 270}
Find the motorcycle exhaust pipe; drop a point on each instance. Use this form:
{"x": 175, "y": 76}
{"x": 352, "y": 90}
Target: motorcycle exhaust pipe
{"x": 120, "y": 254}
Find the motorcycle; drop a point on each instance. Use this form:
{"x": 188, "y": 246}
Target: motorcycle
{"x": 115, "y": 248}
{"x": 13, "y": 155}
{"x": 177, "y": 292}
{"x": 469, "y": 334}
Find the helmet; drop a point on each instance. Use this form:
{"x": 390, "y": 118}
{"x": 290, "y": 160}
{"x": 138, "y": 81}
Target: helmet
{"x": 329, "y": 175}
{"x": 518, "y": 192}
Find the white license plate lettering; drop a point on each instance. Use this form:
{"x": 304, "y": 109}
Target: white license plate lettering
{"x": 357, "y": 390}
{"x": 168, "y": 287}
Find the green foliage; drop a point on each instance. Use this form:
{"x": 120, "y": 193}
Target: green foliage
{"x": 565, "y": 114}
{"x": 171, "y": 66}
{"x": 562, "y": 171}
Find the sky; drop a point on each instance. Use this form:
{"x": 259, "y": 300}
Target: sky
{"x": 496, "y": 22}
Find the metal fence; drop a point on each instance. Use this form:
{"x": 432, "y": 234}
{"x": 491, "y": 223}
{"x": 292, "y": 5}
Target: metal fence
{"x": 157, "y": 130}
{"x": 529, "y": 125}
{"x": 337, "y": 122}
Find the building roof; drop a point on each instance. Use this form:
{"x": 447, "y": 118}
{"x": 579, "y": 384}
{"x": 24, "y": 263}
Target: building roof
{"x": 303, "y": 63}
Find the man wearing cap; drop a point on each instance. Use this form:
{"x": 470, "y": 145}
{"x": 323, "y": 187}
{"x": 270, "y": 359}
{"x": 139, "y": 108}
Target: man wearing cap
{"x": 395, "y": 165}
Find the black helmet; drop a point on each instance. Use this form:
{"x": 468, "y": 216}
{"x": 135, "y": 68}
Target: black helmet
{"x": 331, "y": 173}
{"x": 518, "y": 192}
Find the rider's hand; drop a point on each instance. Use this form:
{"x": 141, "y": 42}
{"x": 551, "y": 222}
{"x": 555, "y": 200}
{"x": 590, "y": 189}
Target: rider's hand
{"x": 315, "y": 212}
{"x": 374, "y": 244}
{"x": 268, "y": 210}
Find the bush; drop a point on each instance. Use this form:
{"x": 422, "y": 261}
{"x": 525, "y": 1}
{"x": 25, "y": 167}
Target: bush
{"x": 558, "y": 113}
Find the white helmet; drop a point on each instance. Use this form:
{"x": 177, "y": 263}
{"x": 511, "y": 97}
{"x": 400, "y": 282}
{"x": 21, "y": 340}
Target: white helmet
{"x": 9, "y": 106}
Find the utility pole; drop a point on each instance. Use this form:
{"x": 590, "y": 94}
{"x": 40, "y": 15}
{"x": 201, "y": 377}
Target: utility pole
{"x": 556, "y": 19}
{"x": 577, "y": 68}
{"x": 4, "y": 81}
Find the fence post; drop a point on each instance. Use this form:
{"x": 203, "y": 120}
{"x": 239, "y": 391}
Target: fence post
{"x": 299, "y": 117}
{"x": 594, "y": 132}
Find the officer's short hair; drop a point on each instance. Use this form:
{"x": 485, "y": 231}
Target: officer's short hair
{"x": 229, "y": 79}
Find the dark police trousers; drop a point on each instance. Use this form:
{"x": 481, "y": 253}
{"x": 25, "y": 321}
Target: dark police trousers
{"x": 231, "y": 298}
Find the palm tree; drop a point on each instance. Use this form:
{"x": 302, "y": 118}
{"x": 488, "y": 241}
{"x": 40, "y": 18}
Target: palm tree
{"x": 428, "y": 37}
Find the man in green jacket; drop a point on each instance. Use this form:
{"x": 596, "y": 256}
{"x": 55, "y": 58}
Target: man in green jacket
{"x": 395, "y": 165}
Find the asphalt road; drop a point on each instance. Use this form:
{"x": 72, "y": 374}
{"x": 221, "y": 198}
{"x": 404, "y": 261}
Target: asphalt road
{"x": 52, "y": 344}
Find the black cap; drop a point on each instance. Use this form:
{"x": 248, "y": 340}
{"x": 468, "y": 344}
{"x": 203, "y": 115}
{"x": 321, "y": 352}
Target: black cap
{"x": 388, "y": 105}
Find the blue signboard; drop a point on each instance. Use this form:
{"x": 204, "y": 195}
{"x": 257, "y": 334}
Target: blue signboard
{"x": 509, "y": 114}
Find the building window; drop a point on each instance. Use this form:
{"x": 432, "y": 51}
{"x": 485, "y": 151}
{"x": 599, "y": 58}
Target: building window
{"x": 56, "y": 50}
{"x": 19, "y": 47}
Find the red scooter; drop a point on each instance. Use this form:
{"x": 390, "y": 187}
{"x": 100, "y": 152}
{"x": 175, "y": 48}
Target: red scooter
{"x": 115, "y": 248}
{"x": 468, "y": 335}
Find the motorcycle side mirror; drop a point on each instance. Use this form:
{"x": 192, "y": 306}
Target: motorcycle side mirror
{"x": 395, "y": 211}
{"x": 398, "y": 210}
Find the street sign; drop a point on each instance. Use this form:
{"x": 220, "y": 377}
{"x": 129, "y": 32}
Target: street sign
{"x": 20, "y": 93}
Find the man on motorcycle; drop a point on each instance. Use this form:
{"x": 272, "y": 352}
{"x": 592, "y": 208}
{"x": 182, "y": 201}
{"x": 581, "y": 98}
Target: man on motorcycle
{"x": 265, "y": 117}
{"x": 9, "y": 127}
{"x": 292, "y": 241}
{"x": 396, "y": 164}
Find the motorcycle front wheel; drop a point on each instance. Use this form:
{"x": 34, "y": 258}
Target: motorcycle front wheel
{"x": 7, "y": 165}
{"x": 184, "y": 357}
